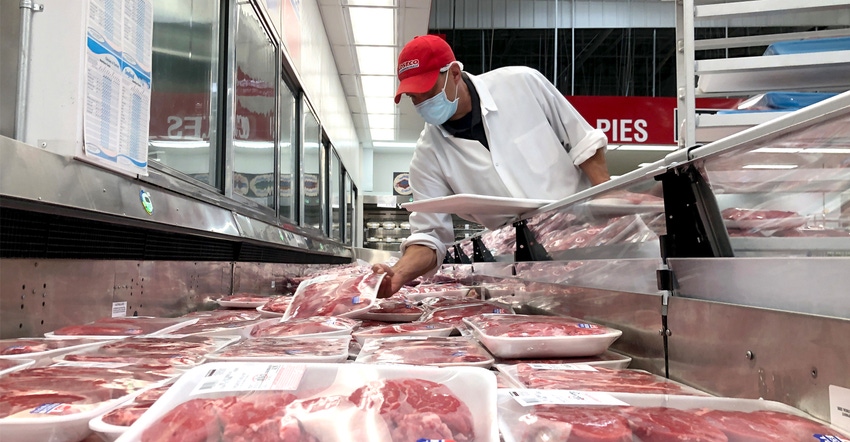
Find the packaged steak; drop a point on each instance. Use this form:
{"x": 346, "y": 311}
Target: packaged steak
{"x": 443, "y": 290}
{"x": 589, "y": 378}
{"x": 243, "y": 300}
{"x": 761, "y": 219}
{"x": 334, "y": 295}
{"x": 425, "y": 350}
{"x": 255, "y": 401}
{"x": 222, "y": 322}
{"x": 177, "y": 351}
{"x": 609, "y": 359}
{"x": 275, "y": 307}
{"x": 526, "y": 415}
{"x": 291, "y": 349}
{"x": 393, "y": 309}
{"x": 540, "y": 336}
{"x": 10, "y": 365}
{"x": 112, "y": 424}
{"x": 410, "y": 329}
{"x": 41, "y": 350}
{"x": 112, "y": 328}
{"x": 455, "y": 314}
{"x": 317, "y": 326}
{"x": 56, "y": 403}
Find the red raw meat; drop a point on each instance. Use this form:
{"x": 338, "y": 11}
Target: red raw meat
{"x": 288, "y": 346}
{"x": 36, "y": 345}
{"x": 132, "y": 326}
{"x": 188, "y": 350}
{"x": 17, "y": 402}
{"x": 737, "y": 214}
{"x": 304, "y": 326}
{"x": 456, "y": 313}
{"x": 602, "y": 379}
{"x": 397, "y": 329}
{"x": 534, "y": 326}
{"x": 587, "y": 424}
{"x": 661, "y": 424}
{"x": 437, "y": 351}
{"x": 741, "y": 426}
{"x": 395, "y": 306}
{"x": 416, "y": 408}
{"x": 256, "y": 417}
{"x": 800, "y": 428}
{"x": 125, "y": 416}
{"x": 333, "y": 297}
{"x": 278, "y": 304}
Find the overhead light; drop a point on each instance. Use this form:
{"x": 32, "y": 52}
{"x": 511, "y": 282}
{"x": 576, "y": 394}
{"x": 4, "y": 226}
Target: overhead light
{"x": 371, "y": 2}
{"x": 770, "y": 166}
{"x": 645, "y": 147}
{"x": 253, "y": 144}
{"x": 397, "y": 144}
{"x": 378, "y": 86}
{"x": 380, "y": 105}
{"x": 376, "y": 60}
{"x": 382, "y": 134}
{"x": 777, "y": 150}
{"x": 827, "y": 150}
{"x": 180, "y": 144}
{"x": 382, "y": 121}
{"x": 373, "y": 26}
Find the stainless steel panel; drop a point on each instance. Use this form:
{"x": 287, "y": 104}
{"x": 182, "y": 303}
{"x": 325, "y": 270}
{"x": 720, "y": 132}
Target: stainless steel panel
{"x": 796, "y": 357}
{"x": 816, "y": 286}
{"x": 264, "y": 278}
{"x": 38, "y": 296}
{"x": 255, "y": 229}
{"x": 34, "y": 174}
{"x": 628, "y": 275}
{"x": 10, "y": 40}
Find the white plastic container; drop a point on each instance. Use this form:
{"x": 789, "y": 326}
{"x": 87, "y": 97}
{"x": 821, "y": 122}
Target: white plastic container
{"x": 286, "y": 349}
{"x": 609, "y": 359}
{"x": 10, "y": 365}
{"x": 241, "y": 304}
{"x": 425, "y": 350}
{"x": 473, "y": 387}
{"x": 541, "y": 346}
{"x": 410, "y": 329}
{"x": 510, "y": 410}
{"x": 175, "y": 324}
{"x": 55, "y": 347}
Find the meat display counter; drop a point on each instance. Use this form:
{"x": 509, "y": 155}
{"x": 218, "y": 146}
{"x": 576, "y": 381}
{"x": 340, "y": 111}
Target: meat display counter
{"x": 725, "y": 265}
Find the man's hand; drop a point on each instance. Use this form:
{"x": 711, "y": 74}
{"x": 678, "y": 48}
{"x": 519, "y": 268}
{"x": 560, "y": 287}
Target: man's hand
{"x": 416, "y": 261}
{"x": 386, "y": 289}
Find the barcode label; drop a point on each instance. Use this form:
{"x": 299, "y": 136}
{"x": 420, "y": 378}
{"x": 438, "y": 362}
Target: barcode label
{"x": 255, "y": 377}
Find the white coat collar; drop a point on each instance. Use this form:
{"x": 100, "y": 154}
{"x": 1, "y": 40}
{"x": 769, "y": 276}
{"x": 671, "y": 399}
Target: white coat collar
{"x": 487, "y": 103}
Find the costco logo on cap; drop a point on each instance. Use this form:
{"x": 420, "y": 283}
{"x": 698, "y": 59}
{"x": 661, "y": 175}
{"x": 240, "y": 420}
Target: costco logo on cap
{"x": 407, "y": 65}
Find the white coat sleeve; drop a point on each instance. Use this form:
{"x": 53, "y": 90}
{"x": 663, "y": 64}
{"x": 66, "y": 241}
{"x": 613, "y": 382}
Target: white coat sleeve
{"x": 433, "y": 230}
{"x": 577, "y": 135}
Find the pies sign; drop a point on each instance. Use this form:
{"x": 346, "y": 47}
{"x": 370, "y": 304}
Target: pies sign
{"x": 401, "y": 183}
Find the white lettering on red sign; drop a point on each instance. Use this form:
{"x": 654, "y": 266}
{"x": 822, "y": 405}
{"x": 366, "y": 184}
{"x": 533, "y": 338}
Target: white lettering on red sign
{"x": 624, "y": 130}
{"x": 185, "y": 127}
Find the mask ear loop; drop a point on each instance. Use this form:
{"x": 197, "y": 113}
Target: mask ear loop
{"x": 446, "y": 70}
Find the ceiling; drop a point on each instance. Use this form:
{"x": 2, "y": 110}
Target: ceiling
{"x": 411, "y": 19}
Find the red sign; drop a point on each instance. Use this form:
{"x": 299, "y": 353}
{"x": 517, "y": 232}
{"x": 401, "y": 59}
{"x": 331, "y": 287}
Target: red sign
{"x": 638, "y": 120}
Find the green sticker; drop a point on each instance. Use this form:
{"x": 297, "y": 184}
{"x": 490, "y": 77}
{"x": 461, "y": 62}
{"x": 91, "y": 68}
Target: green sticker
{"x": 146, "y": 201}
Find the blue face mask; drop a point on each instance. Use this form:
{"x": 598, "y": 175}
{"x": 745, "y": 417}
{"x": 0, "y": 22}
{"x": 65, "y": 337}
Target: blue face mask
{"x": 438, "y": 109}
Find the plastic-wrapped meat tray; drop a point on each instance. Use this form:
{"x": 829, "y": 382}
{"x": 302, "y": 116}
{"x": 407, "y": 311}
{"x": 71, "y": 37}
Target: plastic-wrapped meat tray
{"x": 335, "y": 295}
{"x": 275, "y": 307}
{"x": 456, "y": 313}
{"x": 41, "y": 350}
{"x": 112, "y": 424}
{"x": 589, "y": 378}
{"x": 396, "y": 309}
{"x": 243, "y": 300}
{"x": 293, "y": 349}
{"x": 523, "y": 415}
{"x": 323, "y": 402}
{"x": 418, "y": 350}
{"x": 222, "y": 323}
{"x": 11, "y": 365}
{"x": 318, "y": 326}
{"x": 409, "y": 329}
{"x": 114, "y": 328}
{"x": 540, "y": 336}
{"x": 56, "y": 403}
{"x": 609, "y": 359}
{"x": 177, "y": 351}
{"x": 443, "y": 290}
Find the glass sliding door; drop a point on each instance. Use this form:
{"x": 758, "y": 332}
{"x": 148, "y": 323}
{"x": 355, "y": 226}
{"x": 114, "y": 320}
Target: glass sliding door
{"x": 288, "y": 139}
{"x": 312, "y": 176}
{"x": 334, "y": 194}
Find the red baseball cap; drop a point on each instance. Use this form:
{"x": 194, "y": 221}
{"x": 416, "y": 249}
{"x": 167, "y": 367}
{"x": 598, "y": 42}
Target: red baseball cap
{"x": 419, "y": 64}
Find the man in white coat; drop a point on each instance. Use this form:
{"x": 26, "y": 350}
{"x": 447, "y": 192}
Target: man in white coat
{"x": 506, "y": 133}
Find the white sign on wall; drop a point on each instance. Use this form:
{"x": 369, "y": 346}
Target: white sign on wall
{"x": 118, "y": 83}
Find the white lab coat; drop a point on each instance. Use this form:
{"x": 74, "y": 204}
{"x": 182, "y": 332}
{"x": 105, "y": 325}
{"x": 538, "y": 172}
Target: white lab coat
{"x": 537, "y": 140}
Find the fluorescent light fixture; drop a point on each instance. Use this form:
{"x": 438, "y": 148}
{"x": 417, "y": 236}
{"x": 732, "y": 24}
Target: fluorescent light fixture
{"x": 378, "y": 86}
{"x": 646, "y": 147}
{"x": 371, "y": 2}
{"x": 382, "y": 121}
{"x": 393, "y": 144}
{"x": 842, "y": 150}
{"x": 777, "y": 150}
{"x": 253, "y": 144}
{"x": 380, "y": 105}
{"x": 373, "y": 26}
{"x": 180, "y": 144}
{"x": 382, "y": 134}
{"x": 376, "y": 60}
{"x": 771, "y": 166}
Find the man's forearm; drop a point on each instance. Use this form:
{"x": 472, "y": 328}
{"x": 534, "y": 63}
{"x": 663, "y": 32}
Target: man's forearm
{"x": 416, "y": 261}
{"x": 596, "y": 168}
